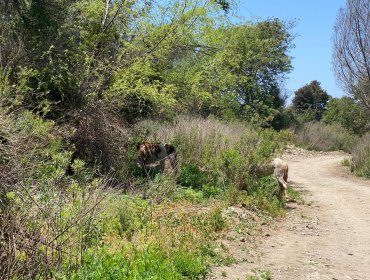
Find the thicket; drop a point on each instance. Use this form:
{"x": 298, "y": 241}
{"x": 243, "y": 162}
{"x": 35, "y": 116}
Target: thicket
{"x": 83, "y": 81}
{"x": 78, "y": 81}
{"x": 90, "y": 226}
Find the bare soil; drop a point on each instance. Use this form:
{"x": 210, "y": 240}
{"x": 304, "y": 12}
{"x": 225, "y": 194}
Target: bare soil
{"x": 328, "y": 237}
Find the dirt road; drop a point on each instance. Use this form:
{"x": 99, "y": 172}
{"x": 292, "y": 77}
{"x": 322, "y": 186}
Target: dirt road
{"x": 327, "y": 239}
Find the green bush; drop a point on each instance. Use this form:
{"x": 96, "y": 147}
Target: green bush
{"x": 211, "y": 190}
{"x": 216, "y": 221}
{"x": 191, "y": 176}
{"x": 39, "y": 204}
{"x": 216, "y": 161}
{"x": 189, "y": 195}
{"x": 263, "y": 197}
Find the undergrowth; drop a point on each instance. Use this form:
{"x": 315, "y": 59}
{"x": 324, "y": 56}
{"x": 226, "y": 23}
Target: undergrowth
{"x": 129, "y": 224}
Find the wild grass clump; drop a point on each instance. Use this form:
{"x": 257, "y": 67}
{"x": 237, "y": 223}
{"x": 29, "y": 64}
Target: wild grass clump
{"x": 361, "y": 156}
{"x": 325, "y": 137}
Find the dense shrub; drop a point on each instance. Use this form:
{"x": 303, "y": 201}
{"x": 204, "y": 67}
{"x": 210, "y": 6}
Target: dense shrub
{"x": 45, "y": 217}
{"x": 101, "y": 137}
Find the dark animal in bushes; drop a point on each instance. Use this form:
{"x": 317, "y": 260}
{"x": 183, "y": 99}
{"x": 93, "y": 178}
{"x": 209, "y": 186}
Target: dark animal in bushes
{"x": 279, "y": 169}
{"x": 154, "y": 153}
{"x": 69, "y": 170}
{"x": 3, "y": 140}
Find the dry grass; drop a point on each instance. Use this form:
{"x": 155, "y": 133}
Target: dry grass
{"x": 325, "y": 137}
{"x": 361, "y": 156}
{"x": 198, "y": 140}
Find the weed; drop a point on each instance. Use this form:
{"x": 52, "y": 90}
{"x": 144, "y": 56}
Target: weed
{"x": 260, "y": 275}
{"x": 190, "y": 176}
{"x": 346, "y": 162}
{"x": 216, "y": 220}
{"x": 295, "y": 196}
{"x": 189, "y": 195}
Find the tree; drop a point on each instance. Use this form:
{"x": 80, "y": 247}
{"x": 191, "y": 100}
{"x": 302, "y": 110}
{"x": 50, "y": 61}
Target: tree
{"x": 250, "y": 67}
{"x": 311, "y": 99}
{"x": 348, "y": 114}
{"x": 141, "y": 58}
{"x": 351, "y": 43}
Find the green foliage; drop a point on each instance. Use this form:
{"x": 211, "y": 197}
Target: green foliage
{"x": 77, "y": 77}
{"x": 162, "y": 187}
{"x": 285, "y": 119}
{"x": 79, "y": 216}
{"x": 295, "y": 196}
{"x": 150, "y": 263}
{"x": 311, "y": 100}
{"x": 130, "y": 56}
{"x": 264, "y": 197}
{"x": 191, "y": 266}
{"x": 211, "y": 191}
{"x": 191, "y": 176}
{"x": 346, "y": 112}
{"x": 216, "y": 220}
{"x": 189, "y": 195}
{"x": 216, "y": 156}
{"x": 40, "y": 205}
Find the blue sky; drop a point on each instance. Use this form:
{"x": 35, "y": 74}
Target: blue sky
{"x": 314, "y": 29}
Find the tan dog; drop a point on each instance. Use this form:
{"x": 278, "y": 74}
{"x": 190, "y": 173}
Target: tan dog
{"x": 281, "y": 174}
{"x": 279, "y": 169}
{"x": 152, "y": 153}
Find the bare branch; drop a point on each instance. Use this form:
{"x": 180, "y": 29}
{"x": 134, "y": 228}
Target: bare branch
{"x": 351, "y": 49}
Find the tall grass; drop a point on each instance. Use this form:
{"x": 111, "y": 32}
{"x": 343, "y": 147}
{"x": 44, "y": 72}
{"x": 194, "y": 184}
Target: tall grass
{"x": 361, "y": 156}
{"x": 325, "y": 137}
{"x": 212, "y": 152}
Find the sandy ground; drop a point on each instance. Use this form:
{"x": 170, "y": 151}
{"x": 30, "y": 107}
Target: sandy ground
{"x": 326, "y": 238}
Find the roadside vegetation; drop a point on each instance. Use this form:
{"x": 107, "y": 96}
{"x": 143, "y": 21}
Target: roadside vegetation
{"x": 83, "y": 81}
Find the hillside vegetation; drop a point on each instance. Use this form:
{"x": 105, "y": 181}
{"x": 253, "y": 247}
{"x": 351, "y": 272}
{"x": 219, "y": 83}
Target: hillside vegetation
{"x": 83, "y": 81}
